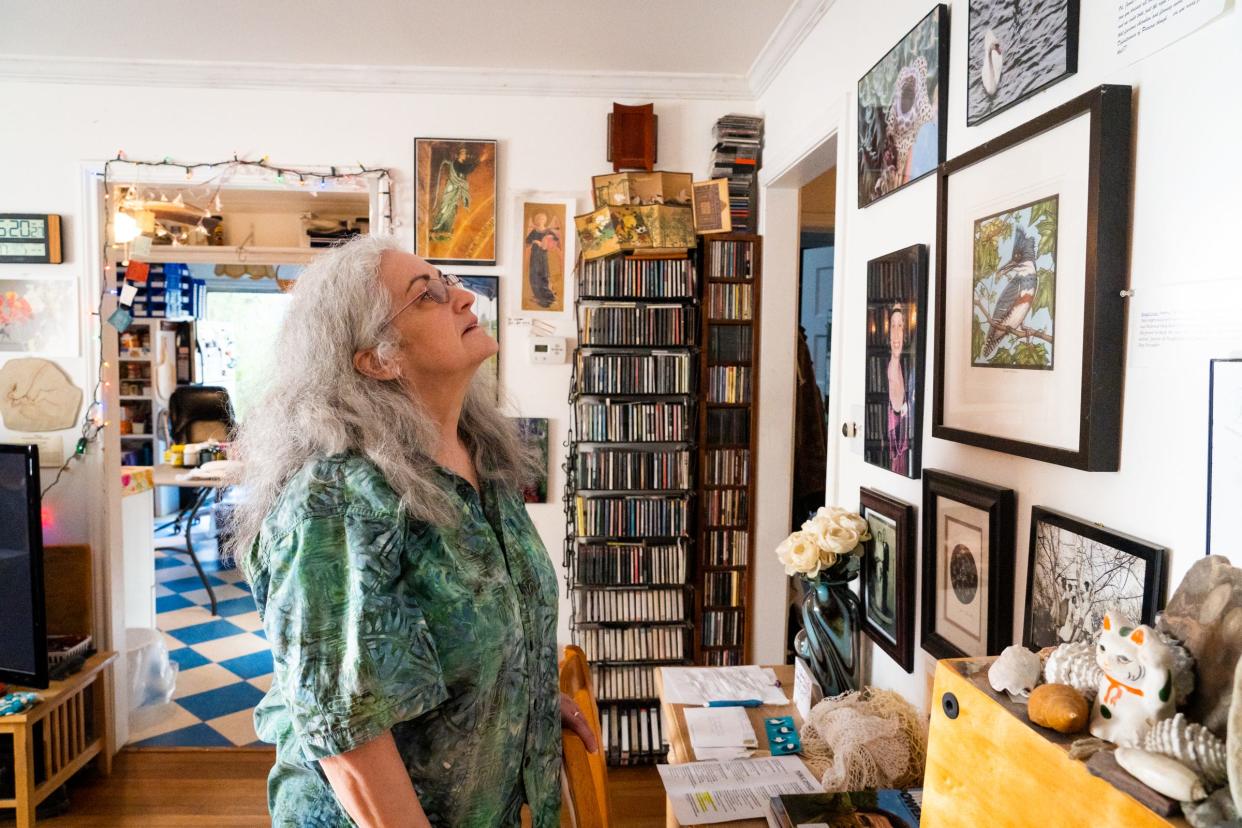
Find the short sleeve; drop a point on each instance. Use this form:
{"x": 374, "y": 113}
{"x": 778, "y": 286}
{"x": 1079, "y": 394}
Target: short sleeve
{"x": 352, "y": 651}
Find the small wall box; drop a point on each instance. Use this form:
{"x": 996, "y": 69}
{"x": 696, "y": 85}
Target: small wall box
{"x": 29, "y": 238}
{"x": 547, "y": 350}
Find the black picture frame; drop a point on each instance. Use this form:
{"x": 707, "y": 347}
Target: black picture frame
{"x": 872, "y": 122}
{"x": 487, "y": 287}
{"x": 898, "y": 278}
{"x": 1000, "y": 505}
{"x": 1106, "y": 277}
{"x": 974, "y": 69}
{"x": 1213, "y": 491}
{"x": 899, "y": 647}
{"x": 1152, "y": 556}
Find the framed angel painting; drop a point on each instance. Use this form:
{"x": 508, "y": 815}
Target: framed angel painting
{"x": 455, "y": 200}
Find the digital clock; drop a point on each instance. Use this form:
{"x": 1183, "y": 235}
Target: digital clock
{"x": 26, "y": 238}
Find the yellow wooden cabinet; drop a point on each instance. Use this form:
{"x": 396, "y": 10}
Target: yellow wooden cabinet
{"x": 988, "y": 766}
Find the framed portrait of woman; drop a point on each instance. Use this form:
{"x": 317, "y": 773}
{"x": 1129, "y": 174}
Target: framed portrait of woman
{"x": 455, "y": 200}
{"x": 896, "y": 338}
{"x": 547, "y": 236}
{"x": 889, "y": 572}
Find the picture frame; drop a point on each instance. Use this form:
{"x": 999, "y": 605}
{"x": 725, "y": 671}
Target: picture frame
{"x": 886, "y": 589}
{"x": 1077, "y": 571}
{"x": 455, "y": 200}
{"x": 1034, "y": 266}
{"x": 1224, "y": 483}
{"x": 547, "y": 252}
{"x": 487, "y": 309}
{"x": 896, "y": 305}
{"x": 534, "y": 431}
{"x": 968, "y": 566}
{"x": 903, "y": 110}
{"x": 995, "y": 82}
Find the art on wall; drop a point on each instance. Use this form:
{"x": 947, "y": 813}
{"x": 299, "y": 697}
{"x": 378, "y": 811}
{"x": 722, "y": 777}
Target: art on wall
{"x": 968, "y": 546}
{"x": 1224, "y": 519}
{"x": 896, "y": 338}
{"x": 903, "y": 110}
{"x": 37, "y": 395}
{"x": 1032, "y": 230}
{"x": 1078, "y": 571}
{"x": 455, "y": 200}
{"x": 534, "y": 432}
{"x": 1017, "y": 49}
{"x": 487, "y": 309}
{"x": 39, "y": 316}
{"x": 543, "y": 256}
{"x": 888, "y": 575}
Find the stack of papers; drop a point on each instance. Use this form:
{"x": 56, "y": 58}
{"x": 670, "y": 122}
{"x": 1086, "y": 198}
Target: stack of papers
{"x": 700, "y": 685}
{"x": 706, "y": 792}
{"x": 720, "y": 732}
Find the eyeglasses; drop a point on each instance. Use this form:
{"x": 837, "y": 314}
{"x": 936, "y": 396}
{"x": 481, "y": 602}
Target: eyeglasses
{"x": 437, "y": 291}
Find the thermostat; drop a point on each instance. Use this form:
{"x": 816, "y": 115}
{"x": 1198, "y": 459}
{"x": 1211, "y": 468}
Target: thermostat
{"x": 547, "y": 350}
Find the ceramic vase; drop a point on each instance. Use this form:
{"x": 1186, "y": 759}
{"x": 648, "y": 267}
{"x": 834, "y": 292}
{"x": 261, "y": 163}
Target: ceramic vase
{"x": 829, "y": 640}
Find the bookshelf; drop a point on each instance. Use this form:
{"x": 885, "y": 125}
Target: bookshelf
{"x": 630, "y": 487}
{"x": 728, "y": 408}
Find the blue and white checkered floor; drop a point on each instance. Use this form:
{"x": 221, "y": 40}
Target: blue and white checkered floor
{"x": 225, "y": 662}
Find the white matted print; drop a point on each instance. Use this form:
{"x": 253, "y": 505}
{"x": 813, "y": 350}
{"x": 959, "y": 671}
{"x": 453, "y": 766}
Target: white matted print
{"x": 1042, "y": 406}
{"x": 39, "y": 316}
{"x": 548, "y": 250}
{"x": 962, "y": 576}
{"x": 1224, "y": 518}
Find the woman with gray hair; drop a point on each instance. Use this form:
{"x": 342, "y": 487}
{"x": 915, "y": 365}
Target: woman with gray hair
{"x": 409, "y": 602}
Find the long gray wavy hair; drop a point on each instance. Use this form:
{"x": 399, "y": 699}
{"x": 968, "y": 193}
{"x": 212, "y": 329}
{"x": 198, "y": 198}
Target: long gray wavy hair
{"x": 316, "y": 404}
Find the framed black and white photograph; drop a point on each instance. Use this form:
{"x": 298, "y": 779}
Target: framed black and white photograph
{"x": 896, "y": 339}
{"x": 968, "y": 566}
{"x": 1032, "y": 265}
{"x": 889, "y": 572}
{"x": 1077, "y": 571}
{"x": 1224, "y": 491}
{"x": 1016, "y": 50}
{"x": 903, "y": 110}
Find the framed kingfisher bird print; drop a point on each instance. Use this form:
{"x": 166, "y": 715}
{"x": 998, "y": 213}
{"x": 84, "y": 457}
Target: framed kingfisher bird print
{"x": 1032, "y": 273}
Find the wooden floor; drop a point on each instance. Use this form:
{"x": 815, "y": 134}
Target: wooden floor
{"x": 190, "y": 787}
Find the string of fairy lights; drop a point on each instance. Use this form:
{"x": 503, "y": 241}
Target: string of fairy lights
{"x": 124, "y": 190}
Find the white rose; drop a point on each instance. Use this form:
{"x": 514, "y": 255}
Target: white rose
{"x": 856, "y": 522}
{"x": 824, "y": 519}
{"x": 839, "y": 540}
{"x": 800, "y": 553}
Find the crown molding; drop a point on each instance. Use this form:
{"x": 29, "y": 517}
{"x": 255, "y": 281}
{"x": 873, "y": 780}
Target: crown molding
{"x": 794, "y": 27}
{"x": 363, "y": 78}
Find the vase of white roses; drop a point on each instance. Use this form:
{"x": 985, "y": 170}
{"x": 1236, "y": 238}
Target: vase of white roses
{"x": 826, "y": 554}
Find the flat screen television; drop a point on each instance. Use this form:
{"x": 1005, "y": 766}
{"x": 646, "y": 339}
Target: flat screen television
{"x": 23, "y": 623}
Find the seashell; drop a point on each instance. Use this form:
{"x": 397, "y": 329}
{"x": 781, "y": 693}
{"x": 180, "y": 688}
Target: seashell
{"x": 1193, "y": 745}
{"x": 1162, "y": 774}
{"x": 1074, "y": 664}
{"x": 1016, "y": 671}
{"x": 1059, "y": 707}
{"x": 1233, "y": 738}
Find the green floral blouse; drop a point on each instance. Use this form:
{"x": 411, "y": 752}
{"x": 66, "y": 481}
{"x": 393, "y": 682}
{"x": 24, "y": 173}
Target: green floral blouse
{"x": 445, "y": 636}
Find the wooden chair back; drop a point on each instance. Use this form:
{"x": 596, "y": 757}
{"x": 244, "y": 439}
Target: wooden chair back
{"x": 586, "y": 774}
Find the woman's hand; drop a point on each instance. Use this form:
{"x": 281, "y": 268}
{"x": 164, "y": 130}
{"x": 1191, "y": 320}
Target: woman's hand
{"x": 572, "y": 719}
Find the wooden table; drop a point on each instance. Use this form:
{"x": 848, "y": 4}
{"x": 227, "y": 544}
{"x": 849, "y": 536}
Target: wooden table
{"x": 168, "y": 475}
{"x": 680, "y": 750}
{"x": 74, "y": 730}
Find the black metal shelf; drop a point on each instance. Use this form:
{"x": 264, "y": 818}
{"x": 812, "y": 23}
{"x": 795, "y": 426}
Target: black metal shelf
{"x": 577, "y": 586}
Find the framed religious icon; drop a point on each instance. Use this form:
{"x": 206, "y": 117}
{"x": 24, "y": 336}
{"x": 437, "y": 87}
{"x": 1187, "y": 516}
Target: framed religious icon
{"x": 968, "y": 549}
{"x": 487, "y": 308}
{"x": 903, "y": 110}
{"x": 547, "y": 241}
{"x": 1015, "y": 50}
{"x": 1032, "y": 266}
{"x": 455, "y": 200}
{"x": 1078, "y": 571}
{"x": 889, "y": 572}
{"x": 896, "y": 337}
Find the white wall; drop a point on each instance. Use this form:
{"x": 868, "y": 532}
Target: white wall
{"x": 1185, "y": 219}
{"x": 549, "y": 145}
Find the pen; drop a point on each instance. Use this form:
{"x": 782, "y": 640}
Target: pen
{"x": 736, "y": 703}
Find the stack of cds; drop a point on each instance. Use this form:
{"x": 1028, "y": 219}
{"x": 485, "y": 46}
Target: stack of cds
{"x": 737, "y": 156}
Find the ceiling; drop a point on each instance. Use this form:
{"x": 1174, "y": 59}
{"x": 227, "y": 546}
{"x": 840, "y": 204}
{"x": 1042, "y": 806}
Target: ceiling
{"x": 715, "y": 37}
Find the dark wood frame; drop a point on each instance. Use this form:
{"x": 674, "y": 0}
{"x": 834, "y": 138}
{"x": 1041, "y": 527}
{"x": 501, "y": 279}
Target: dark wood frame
{"x": 495, "y": 200}
{"x": 1000, "y": 504}
{"x": 38, "y": 678}
{"x": 1211, "y": 424}
{"x": 1106, "y": 277}
{"x": 917, "y": 253}
{"x": 905, "y": 574}
{"x": 942, "y": 109}
{"x": 1071, "y": 63}
{"x": 747, "y": 570}
{"x": 1152, "y": 555}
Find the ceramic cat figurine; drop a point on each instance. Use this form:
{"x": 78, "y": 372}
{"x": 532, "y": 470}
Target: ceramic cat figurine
{"x": 1145, "y": 675}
